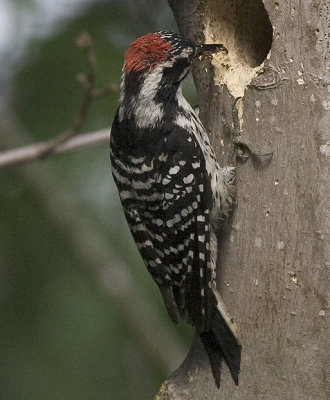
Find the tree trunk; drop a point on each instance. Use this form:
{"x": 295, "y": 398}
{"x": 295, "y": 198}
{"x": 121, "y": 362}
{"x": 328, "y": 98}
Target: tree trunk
{"x": 275, "y": 257}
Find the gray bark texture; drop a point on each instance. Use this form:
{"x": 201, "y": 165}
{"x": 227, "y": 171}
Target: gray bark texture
{"x": 274, "y": 258}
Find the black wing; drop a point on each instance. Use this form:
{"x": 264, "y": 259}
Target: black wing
{"x": 169, "y": 216}
{"x": 186, "y": 211}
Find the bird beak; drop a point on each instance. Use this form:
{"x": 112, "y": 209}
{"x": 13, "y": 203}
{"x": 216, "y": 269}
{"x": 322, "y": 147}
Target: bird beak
{"x": 205, "y": 50}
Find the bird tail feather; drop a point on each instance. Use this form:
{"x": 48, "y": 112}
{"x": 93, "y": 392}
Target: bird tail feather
{"x": 222, "y": 342}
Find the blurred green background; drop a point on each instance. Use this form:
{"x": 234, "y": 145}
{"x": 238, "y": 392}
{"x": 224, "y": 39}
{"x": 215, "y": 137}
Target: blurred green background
{"x": 69, "y": 321}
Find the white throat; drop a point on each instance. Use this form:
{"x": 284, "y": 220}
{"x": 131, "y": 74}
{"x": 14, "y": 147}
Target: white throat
{"x": 143, "y": 107}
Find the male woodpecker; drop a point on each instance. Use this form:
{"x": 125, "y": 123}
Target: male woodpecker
{"x": 172, "y": 188}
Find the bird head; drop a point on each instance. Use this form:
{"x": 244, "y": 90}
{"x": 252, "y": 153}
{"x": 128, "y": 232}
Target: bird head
{"x": 165, "y": 52}
{"x": 155, "y": 65}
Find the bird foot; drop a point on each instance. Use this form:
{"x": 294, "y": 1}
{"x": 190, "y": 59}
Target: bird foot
{"x": 242, "y": 148}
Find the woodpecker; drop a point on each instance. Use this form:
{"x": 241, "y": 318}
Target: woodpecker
{"x": 173, "y": 191}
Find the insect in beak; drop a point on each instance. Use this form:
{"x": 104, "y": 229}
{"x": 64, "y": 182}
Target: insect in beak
{"x": 203, "y": 51}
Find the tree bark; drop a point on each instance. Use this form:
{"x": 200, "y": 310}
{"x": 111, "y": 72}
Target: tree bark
{"x": 274, "y": 259}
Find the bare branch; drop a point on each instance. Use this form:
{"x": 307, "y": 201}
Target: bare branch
{"x": 102, "y": 92}
{"x": 67, "y": 141}
{"x": 32, "y": 152}
{"x": 85, "y": 43}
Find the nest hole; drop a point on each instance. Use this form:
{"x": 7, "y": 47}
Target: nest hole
{"x": 243, "y": 26}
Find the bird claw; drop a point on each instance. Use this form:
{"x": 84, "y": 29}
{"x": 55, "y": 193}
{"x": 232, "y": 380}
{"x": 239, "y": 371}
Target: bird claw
{"x": 245, "y": 149}
{"x": 242, "y": 154}
{"x": 242, "y": 148}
